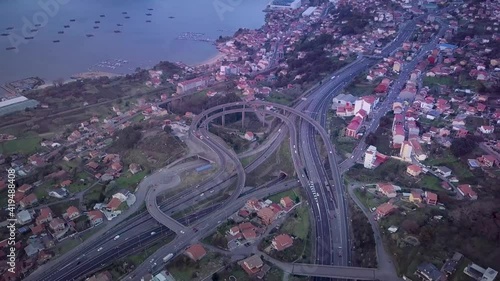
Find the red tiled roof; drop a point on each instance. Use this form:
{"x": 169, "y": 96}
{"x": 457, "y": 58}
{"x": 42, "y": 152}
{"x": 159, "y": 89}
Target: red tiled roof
{"x": 114, "y": 203}
{"x": 282, "y": 242}
{"x": 196, "y": 252}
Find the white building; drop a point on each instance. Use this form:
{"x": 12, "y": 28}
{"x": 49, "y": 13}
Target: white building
{"x": 405, "y": 151}
{"x": 285, "y": 4}
{"x": 342, "y": 100}
{"x": 309, "y": 11}
{"x": 367, "y": 103}
{"x": 370, "y": 157}
{"x": 24, "y": 217}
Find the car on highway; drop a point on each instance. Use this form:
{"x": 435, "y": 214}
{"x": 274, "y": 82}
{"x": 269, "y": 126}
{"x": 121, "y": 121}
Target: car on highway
{"x": 153, "y": 233}
{"x": 116, "y": 237}
{"x": 182, "y": 232}
{"x": 100, "y": 249}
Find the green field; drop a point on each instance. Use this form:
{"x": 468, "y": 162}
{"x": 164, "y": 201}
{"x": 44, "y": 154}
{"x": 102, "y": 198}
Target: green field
{"x": 129, "y": 181}
{"x": 26, "y": 143}
{"x": 436, "y": 81}
{"x": 431, "y": 182}
{"x": 184, "y": 269}
{"x": 293, "y": 194}
{"x": 298, "y": 226}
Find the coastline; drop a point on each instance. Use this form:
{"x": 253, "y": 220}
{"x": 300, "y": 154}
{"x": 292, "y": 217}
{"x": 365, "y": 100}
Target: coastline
{"x": 83, "y": 75}
{"x": 212, "y": 60}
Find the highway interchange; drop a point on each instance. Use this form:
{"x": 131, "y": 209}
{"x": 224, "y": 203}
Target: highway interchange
{"x": 324, "y": 188}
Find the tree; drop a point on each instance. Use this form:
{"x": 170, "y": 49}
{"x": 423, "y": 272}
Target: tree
{"x": 462, "y": 146}
{"x": 410, "y": 226}
{"x": 215, "y": 277}
{"x": 371, "y": 139}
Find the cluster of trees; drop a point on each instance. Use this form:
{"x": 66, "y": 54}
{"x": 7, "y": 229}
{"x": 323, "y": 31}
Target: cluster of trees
{"x": 463, "y": 146}
{"x": 126, "y": 139}
{"x": 356, "y": 20}
{"x": 168, "y": 68}
{"x": 313, "y": 66}
{"x": 197, "y": 103}
{"x": 364, "y": 241}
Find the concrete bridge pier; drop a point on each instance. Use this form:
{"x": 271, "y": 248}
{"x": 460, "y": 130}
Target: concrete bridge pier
{"x": 243, "y": 119}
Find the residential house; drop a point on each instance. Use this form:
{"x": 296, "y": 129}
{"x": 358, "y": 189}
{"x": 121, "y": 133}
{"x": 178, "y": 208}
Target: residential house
{"x": 103, "y": 276}
{"x": 249, "y": 234}
{"x": 25, "y": 188}
{"x": 28, "y": 201}
{"x": 95, "y": 217}
{"x": 65, "y": 183}
{"x": 418, "y": 150}
{"x": 354, "y": 127}
{"x": 252, "y": 265}
{"x": 486, "y": 129}
{"x": 342, "y": 100}
{"x": 266, "y": 215}
{"x": 487, "y": 160}
{"x": 122, "y": 195}
{"x": 57, "y": 224}
{"x": 367, "y": 103}
{"x": 282, "y": 242}
{"x": 398, "y": 136}
{"x": 467, "y": 191}
{"x": 414, "y": 170}
{"x": 58, "y": 193}
{"x": 286, "y": 202}
{"x": 38, "y": 229}
{"x": 431, "y": 198}
{"x": 116, "y": 167}
{"x": 429, "y": 272}
{"x": 72, "y": 213}
{"x": 93, "y": 165}
{"x": 134, "y": 168}
{"x": 253, "y": 205}
{"x": 387, "y": 189}
{"x": 34, "y": 247}
{"x": 46, "y": 215}
{"x": 75, "y": 135}
{"x": 384, "y": 210}
{"x": 370, "y": 157}
{"x": 195, "y": 252}
{"x": 23, "y": 217}
{"x": 415, "y": 197}
{"x": 113, "y": 204}
{"x": 444, "y": 171}
{"x": 234, "y": 230}
{"x": 249, "y": 136}
{"x": 478, "y": 273}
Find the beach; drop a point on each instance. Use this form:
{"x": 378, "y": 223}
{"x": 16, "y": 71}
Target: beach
{"x": 212, "y": 60}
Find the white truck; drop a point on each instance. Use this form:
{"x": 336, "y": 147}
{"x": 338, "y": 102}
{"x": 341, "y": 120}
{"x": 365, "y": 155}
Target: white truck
{"x": 168, "y": 257}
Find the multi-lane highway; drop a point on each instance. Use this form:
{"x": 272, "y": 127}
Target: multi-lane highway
{"x": 324, "y": 188}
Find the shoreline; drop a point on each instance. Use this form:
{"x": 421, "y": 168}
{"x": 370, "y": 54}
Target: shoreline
{"x": 219, "y": 56}
{"x": 82, "y": 75}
